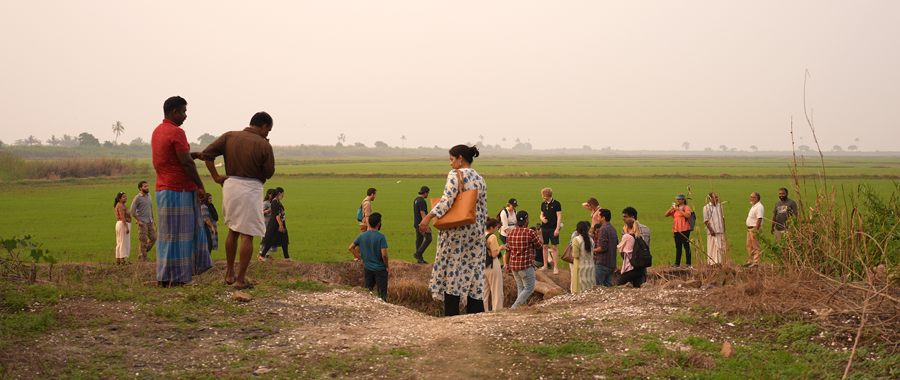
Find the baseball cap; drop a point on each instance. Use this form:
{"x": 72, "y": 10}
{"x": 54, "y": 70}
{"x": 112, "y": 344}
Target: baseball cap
{"x": 513, "y": 202}
{"x": 424, "y": 190}
{"x": 521, "y": 216}
{"x": 680, "y": 196}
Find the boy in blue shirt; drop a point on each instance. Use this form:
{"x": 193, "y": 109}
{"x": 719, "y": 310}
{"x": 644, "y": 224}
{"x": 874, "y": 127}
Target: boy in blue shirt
{"x": 371, "y": 248}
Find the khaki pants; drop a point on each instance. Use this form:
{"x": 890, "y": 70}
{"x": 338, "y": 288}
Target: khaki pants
{"x": 715, "y": 249}
{"x": 493, "y": 287}
{"x": 752, "y": 247}
{"x": 147, "y": 237}
{"x": 778, "y": 235}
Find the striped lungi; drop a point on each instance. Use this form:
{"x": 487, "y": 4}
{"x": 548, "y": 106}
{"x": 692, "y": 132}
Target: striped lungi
{"x": 242, "y": 206}
{"x": 181, "y": 249}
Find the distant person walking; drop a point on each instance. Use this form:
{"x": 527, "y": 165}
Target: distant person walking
{"x": 754, "y": 224}
{"x": 606, "y": 239}
{"x": 420, "y": 209}
{"x": 458, "y": 271}
{"x": 785, "y": 208}
{"x": 714, "y": 219}
{"x": 276, "y": 230}
{"x": 493, "y": 275}
{"x": 522, "y": 245}
{"x": 365, "y": 209}
{"x": 142, "y": 210}
{"x": 249, "y": 162}
{"x": 593, "y": 206}
{"x": 370, "y": 247}
{"x": 267, "y": 215}
{"x": 583, "y": 275}
{"x": 551, "y": 224}
{"x": 123, "y": 229}
{"x": 181, "y": 248}
{"x": 508, "y": 219}
{"x": 681, "y": 229}
{"x": 210, "y": 217}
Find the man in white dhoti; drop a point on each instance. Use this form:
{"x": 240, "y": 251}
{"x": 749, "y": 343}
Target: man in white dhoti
{"x": 714, "y": 218}
{"x": 249, "y": 162}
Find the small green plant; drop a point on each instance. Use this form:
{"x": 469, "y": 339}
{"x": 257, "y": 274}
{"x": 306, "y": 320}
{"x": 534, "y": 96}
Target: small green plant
{"x": 14, "y": 261}
{"x": 795, "y": 331}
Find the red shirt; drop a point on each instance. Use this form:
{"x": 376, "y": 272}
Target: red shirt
{"x": 522, "y": 243}
{"x": 168, "y": 139}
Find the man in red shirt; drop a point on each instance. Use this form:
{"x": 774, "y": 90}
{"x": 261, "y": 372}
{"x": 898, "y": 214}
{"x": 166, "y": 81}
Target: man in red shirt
{"x": 181, "y": 247}
{"x": 521, "y": 245}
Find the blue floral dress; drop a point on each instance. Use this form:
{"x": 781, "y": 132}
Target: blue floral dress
{"x": 459, "y": 264}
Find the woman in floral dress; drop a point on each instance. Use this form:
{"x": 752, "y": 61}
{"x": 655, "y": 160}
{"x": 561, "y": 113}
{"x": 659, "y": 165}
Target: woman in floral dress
{"x": 457, "y": 276}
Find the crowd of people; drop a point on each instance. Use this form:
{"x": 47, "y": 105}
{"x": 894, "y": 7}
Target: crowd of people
{"x": 469, "y": 261}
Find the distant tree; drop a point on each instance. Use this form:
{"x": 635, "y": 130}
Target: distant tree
{"x": 606, "y": 148}
{"x": 803, "y": 148}
{"x": 498, "y": 146}
{"x": 138, "y": 141}
{"x": 206, "y": 139}
{"x": 53, "y": 141}
{"x": 836, "y": 148}
{"x": 108, "y": 144}
{"x": 686, "y": 145}
{"x": 504, "y": 142}
{"x": 31, "y": 140}
{"x": 381, "y": 144}
{"x": 342, "y": 139}
{"x": 723, "y": 148}
{"x": 586, "y": 147}
{"x": 87, "y": 139}
{"x": 403, "y": 141}
{"x": 359, "y": 145}
{"x": 481, "y": 138}
{"x": 522, "y": 146}
{"x": 2, "y": 144}
{"x": 852, "y": 148}
{"x": 518, "y": 140}
{"x": 733, "y": 149}
{"x": 118, "y": 129}
{"x": 69, "y": 141}
{"x": 707, "y": 149}
{"x": 754, "y": 148}
{"x": 857, "y": 142}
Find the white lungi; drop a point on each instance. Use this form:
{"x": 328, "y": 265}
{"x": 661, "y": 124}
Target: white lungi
{"x": 242, "y": 206}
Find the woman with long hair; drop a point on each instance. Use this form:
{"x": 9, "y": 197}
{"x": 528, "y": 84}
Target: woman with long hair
{"x": 123, "y": 229}
{"x": 629, "y": 273}
{"x": 267, "y": 215}
{"x": 582, "y": 259}
{"x": 276, "y": 229}
{"x": 681, "y": 229}
{"x": 593, "y": 206}
{"x": 457, "y": 276}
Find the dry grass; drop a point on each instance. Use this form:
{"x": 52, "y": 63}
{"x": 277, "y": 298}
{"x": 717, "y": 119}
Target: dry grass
{"x": 15, "y": 168}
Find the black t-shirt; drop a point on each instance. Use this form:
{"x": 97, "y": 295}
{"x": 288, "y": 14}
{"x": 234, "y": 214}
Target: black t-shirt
{"x": 550, "y": 209}
{"x": 419, "y": 204}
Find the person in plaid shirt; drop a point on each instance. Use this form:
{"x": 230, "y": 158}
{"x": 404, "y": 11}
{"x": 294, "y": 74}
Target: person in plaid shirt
{"x": 521, "y": 245}
{"x": 605, "y": 241}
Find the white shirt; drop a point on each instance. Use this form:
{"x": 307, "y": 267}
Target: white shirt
{"x": 506, "y": 222}
{"x": 756, "y": 212}
{"x": 714, "y": 215}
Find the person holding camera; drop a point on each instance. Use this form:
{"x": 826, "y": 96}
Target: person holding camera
{"x": 681, "y": 228}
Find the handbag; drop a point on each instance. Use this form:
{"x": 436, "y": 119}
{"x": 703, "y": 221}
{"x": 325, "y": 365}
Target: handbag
{"x": 462, "y": 212}
{"x": 567, "y": 255}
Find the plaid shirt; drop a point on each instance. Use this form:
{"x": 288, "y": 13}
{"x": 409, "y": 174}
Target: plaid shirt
{"x": 522, "y": 243}
{"x": 607, "y": 241}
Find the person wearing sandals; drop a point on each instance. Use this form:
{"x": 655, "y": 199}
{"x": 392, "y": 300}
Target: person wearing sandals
{"x": 457, "y": 275}
{"x": 267, "y": 214}
{"x": 123, "y": 229}
{"x": 276, "y": 230}
{"x": 583, "y": 277}
{"x": 681, "y": 229}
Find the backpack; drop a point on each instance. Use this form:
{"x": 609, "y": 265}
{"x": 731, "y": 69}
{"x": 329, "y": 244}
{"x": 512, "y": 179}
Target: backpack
{"x": 640, "y": 256}
{"x": 501, "y": 211}
{"x": 359, "y": 215}
{"x": 692, "y": 221}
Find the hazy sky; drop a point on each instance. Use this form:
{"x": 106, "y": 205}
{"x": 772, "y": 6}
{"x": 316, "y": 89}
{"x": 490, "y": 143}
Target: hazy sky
{"x": 630, "y": 75}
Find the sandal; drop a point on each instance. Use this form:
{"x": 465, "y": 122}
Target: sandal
{"x": 260, "y": 258}
{"x": 245, "y": 287}
{"x": 229, "y": 283}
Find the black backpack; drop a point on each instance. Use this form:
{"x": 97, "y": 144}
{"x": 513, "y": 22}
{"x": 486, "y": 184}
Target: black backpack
{"x": 692, "y": 221}
{"x": 640, "y": 256}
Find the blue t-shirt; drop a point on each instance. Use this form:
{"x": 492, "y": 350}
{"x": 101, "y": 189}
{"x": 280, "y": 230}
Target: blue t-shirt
{"x": 370, "y": 244}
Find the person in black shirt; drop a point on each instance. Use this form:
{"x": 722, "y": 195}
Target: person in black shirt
{"x": 551, "y": 223}
{"x": 420, "y": 209}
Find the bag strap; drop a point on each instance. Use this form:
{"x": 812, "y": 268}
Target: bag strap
{"x": 459, "y": 183}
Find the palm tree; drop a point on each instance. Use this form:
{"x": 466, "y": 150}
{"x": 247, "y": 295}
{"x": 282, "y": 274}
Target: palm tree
{"x": 403, "y": 141}
{"x": 504, "y": 143}
{"x": 342, "y": 138}
{"x": 686, "y": 145}
{"x": 857, "y": 142}
{"x": 518, "y": 140}
{"x": 118, "y": 129}
{"x": 54, "y": 141}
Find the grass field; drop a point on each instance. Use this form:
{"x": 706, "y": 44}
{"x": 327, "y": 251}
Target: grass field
{"x": 75, "y": 220}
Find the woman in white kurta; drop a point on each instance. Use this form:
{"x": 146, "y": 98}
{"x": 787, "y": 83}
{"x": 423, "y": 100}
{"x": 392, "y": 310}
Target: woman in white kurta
{"x": 582, "y": 259}
{"x": 458, "y": 272}
{"x": 123, "y": 229}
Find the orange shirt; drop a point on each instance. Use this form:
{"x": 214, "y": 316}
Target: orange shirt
{"x": 681, "y": 223}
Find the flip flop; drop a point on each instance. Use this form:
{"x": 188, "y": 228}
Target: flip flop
{"x": 229, "y": 283}
{"x": 245, "y": 287}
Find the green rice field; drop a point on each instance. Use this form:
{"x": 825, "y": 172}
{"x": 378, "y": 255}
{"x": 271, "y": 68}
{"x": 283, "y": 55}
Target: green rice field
{"x": 75, "y": 219}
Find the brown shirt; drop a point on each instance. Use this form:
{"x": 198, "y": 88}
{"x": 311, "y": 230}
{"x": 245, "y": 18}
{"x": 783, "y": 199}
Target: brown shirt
{"x": 247, "y": 154}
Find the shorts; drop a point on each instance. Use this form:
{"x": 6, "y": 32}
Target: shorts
{"x": 547, "y": 235}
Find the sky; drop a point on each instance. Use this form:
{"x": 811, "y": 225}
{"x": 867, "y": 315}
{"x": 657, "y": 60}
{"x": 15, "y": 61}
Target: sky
{"x": 631, "y": 75}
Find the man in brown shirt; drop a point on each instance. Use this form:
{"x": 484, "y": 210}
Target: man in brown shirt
{"x": 366, "y": 208}
{"x": 249, "y": 162}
